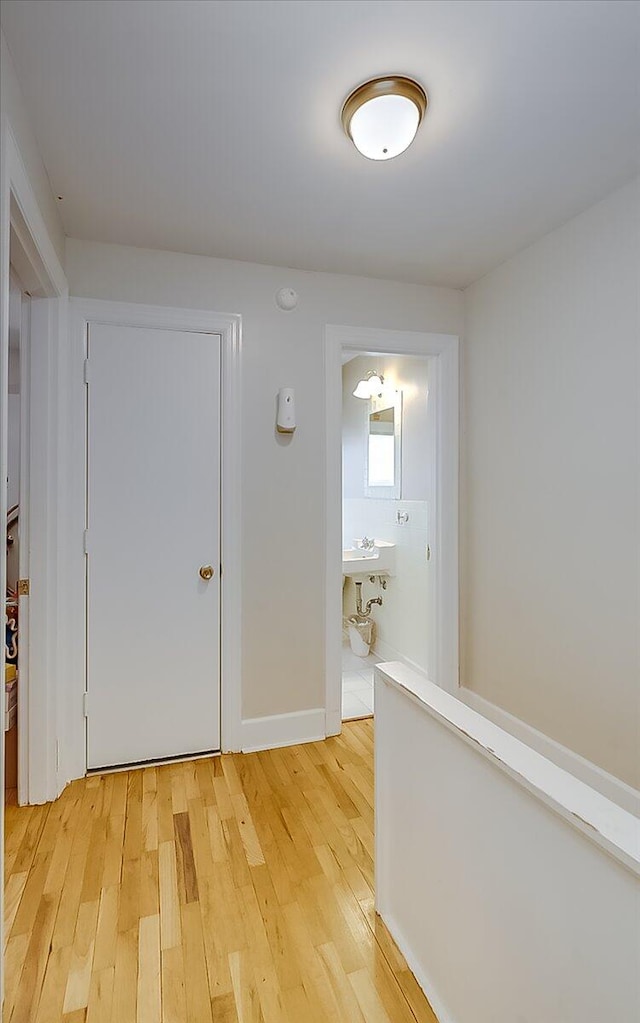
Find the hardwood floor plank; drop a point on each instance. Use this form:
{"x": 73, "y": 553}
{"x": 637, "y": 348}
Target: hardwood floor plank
{"x": 36, "y": 960}
{"x": 174, "y": 1001}
{"x": 25, "y": 916}
{"x": 149, "y": 883}
{"x": 54, "y": 986}
{"x": 94, "y": 868}
{"x": 13, "y": 892}
{"x": 164, "y": 805}
{"x": 125, "y": 978}
{"x": 233, "y": 889}
{"x": 200, "y": 840}
{"x": 130, "y": 894}
{"x": 187, "y": 878}
{"x": 14, "y": 958}
{"x": 112, "y": 867}
{"x": 248, "y": 834}
{"x": 150, "y": 810}
{"x": 369, "y": 1000}
{"x": 247, "y": 1001}
{"x": 149, "y": 986}
{"x": 196, "y": 979}
{"x": 221, "y": 911}
{"x": 101, "y": 995}
{"x": 343, "y": 991}
{"x": 170, "y": 927}
{"x": 104, "y": 954}
{"x": 79, "y": 979}
{"x": 22, "y": 858}
{"x": 133, "y": 819}
{"x": 224, "y": 1009}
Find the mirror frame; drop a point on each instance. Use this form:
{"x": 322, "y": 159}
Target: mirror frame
{"x": 376, "y": 404}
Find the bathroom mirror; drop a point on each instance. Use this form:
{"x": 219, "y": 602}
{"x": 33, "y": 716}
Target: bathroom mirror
{"x": 383, "y": 462}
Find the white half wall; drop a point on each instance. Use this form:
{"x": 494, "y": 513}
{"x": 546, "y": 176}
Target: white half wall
{"x": 510, "y": 887}
{"x": 283, "y": 481}
{"x": 550, "y": 497}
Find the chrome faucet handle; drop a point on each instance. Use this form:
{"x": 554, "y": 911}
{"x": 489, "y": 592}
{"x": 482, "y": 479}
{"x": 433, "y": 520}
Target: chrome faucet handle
{"x": 367, "y": 544}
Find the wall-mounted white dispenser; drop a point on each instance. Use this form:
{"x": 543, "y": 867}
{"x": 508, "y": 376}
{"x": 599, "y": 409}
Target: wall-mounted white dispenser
{"x": 286, "y": 420}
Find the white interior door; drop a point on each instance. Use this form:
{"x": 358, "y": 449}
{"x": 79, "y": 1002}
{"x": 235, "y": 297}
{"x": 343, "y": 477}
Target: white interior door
{"x": 153, "y": 635}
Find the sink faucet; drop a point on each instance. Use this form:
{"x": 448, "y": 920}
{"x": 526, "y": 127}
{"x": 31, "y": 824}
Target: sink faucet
{"x": 367, "y": 544}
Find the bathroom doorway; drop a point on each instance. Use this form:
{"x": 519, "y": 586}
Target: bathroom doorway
{"x": 392, "y": 505}
{"x": 388, "y": 495}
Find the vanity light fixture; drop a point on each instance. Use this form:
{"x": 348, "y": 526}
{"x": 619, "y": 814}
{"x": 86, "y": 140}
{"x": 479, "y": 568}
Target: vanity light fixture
{"x": 370, "y": 385}
{"x": 382, "y": 116}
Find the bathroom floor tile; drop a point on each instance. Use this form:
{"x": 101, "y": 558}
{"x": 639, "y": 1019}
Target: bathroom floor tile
{"x": 352, "y": 680}
{"x": 353, "y": 707}
{"x": 365, "y": 696}
{"x": 352, "y": 662}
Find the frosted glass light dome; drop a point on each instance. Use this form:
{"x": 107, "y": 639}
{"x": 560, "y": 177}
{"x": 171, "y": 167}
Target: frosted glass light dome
{"x": 382, "y": 116}
{"x": 384, "y": 127}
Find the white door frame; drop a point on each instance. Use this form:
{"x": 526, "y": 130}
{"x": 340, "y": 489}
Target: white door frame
{"x": 228, "y": 326}
{"x": 443, "y": 350}
{"x": 23, "y": 228}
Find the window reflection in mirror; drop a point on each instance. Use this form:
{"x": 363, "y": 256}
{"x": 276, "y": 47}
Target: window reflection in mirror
{"x": 381, "y": 448}
{"x": 384, "y": 429}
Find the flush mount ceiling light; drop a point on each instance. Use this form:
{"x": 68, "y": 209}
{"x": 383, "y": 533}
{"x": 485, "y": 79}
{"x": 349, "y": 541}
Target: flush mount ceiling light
{"x": 382, "y": 116}
{"x": 370, "y": 385}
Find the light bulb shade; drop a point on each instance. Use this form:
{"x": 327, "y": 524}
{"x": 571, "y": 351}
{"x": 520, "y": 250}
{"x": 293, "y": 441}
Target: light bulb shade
{"x": 370, "y": 385}
{"x": 362, "y": 390}
{"x": 384, "y": 127}
{"x": 382, "y": 117}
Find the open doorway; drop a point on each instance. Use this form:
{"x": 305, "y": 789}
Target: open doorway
{"x": 33, "y": 346}
{"x": 374, "y": 520}
{"x": 388, "y": 502}
{"x": 17, "y": 539}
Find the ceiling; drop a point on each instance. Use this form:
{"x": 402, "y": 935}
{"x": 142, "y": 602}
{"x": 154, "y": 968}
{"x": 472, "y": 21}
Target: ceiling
{"x": 214, "y": 127}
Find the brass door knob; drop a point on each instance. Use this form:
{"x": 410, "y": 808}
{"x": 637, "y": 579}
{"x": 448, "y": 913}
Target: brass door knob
{"x": 206, "y": 572}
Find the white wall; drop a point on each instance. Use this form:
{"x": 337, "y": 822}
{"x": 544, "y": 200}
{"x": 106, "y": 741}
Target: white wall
{"x": 550, "y": 511}
{"x": 283, "y": 605}
{"x": 13, "y": 107}
{"x": 402, "y": 621}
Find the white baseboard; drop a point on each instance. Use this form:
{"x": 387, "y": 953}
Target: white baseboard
{"x": 389, "y": 653}
{"x": 424, "y": 982}
{"x": 283, "y": 730}
{"x": 333, "y": 722}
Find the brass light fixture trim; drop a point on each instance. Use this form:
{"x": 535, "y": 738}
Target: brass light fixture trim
{"x": 388, "y": 85}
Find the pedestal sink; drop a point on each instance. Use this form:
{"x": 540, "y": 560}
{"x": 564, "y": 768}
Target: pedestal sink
{"x": 380, "y": 560}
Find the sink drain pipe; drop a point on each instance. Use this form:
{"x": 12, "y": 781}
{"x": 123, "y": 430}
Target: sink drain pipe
{"x": 366, "y": 611}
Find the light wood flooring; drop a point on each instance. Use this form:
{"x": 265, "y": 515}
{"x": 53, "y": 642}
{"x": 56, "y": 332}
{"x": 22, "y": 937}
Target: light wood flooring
{"x": 236, "y": 889}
